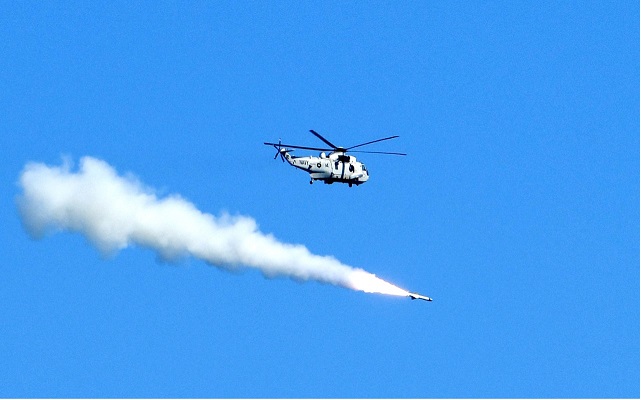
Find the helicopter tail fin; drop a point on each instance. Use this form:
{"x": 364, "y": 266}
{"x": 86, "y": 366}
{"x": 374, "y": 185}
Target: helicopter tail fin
{"x": 281, "y": 151}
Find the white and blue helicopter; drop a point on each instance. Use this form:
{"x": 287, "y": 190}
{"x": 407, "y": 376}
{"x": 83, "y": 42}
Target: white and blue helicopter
{"x": 333, "y": 167}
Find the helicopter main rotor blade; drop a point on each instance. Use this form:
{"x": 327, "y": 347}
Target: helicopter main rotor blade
{"x": 297, "y": 147}
{"x": 373, "y": 141}
{"x": 379, "y": 152}
{"x": 327, "y": 142}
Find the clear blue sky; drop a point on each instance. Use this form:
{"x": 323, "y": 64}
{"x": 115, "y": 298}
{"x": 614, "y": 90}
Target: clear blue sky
{"x": 517, "y": 208}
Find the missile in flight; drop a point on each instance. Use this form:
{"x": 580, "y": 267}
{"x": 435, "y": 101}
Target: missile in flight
{"x": 415, "y": 296}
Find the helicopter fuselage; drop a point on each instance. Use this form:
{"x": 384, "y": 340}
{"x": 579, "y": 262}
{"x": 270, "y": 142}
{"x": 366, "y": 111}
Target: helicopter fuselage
{"x": 335, "y": 167}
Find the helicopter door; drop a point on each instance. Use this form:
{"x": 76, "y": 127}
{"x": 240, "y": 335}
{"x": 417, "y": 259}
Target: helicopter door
{"x": 336, "y": 169}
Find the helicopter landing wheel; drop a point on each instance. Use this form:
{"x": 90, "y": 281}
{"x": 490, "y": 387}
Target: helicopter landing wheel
{"x": 311, "y": 181}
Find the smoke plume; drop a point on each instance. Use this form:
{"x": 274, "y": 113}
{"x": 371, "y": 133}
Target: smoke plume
{"x": 114, "y": 212}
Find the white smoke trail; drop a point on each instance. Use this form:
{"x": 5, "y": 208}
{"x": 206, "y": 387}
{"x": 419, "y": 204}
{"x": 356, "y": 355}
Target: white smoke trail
{"x": 115, "y": 212}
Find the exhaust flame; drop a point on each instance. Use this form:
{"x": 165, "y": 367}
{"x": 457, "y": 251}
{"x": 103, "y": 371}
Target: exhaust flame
{"x": 370, "y": 283}
{"x": 115, "y": 212}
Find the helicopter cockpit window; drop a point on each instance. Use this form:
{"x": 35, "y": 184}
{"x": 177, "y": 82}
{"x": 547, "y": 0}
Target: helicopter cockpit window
{"x": 351, "y": 168}
{"x": 364, "y": 168}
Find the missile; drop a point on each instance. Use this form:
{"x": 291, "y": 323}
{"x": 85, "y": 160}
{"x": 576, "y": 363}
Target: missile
{"x": 415, "y": 296}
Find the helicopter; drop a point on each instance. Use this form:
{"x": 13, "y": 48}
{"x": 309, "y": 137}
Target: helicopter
{"x": 336, "y": 166}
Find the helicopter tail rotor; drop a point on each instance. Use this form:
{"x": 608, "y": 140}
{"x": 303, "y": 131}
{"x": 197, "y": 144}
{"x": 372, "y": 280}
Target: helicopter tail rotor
{"x": 277, "y": 147}
{"x": 280, "y": 150}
